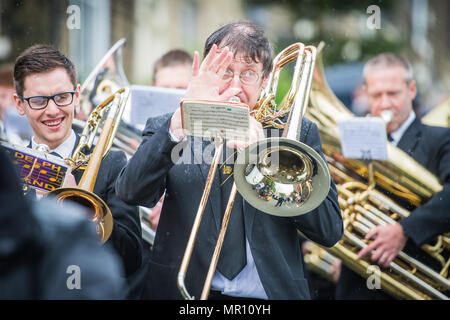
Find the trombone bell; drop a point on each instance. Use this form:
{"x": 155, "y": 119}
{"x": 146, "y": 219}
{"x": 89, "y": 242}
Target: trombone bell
{"x": 282, "y": 177}
{"x": 101, "y": 214}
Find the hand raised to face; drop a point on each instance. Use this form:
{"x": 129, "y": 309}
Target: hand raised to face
{"x": 207, "y": 77}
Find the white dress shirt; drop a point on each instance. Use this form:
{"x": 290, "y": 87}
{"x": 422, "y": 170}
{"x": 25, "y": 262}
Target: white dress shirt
{"x": 64, "y": 150}
{"x": 397, "y": 134}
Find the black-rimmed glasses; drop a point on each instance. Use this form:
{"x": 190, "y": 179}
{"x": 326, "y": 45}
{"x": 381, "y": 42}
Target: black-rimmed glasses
{"x": 61, "y": 99}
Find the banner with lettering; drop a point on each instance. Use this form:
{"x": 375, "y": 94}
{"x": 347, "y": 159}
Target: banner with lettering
{"x": 38, "y": 170}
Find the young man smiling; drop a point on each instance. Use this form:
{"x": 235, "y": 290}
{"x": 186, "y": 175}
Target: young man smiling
{"x": 47, "y": 94}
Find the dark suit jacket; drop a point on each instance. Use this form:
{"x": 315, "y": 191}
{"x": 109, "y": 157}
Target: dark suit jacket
{"x": 430, "y": 146}
{"x": 273, "y": 240}
{"x": 39, "y": 242}
{"x": 126, "y": 236}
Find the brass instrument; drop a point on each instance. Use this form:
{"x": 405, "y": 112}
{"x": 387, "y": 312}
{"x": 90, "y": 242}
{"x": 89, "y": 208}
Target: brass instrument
{"x": 299, "y": 176}
{"x": 439, "y": 115}
{"x": 363, "y": 207}
{"x": 106, "y": 78}
{"x": 110, "y": 111}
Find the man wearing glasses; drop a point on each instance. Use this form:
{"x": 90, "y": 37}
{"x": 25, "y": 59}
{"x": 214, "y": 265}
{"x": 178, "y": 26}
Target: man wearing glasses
{"x": 47, "y": 94}
{"x": 261, "y": 256}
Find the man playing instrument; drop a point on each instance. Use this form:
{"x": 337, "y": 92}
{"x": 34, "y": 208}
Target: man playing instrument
{"x": 389, "y": 85}
{"x": 47, "y": 94}
{"x": 267, "y": 263}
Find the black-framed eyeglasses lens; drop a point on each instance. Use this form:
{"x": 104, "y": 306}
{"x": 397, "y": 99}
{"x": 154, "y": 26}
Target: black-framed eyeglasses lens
{"x": 246, "y": 77}
{"x": 60, "y": 99}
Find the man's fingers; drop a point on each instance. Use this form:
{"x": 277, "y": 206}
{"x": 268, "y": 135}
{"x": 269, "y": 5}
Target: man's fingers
{"x": 390, "y": 258}
{"x": 219, "y": 60}
{"x": 224, "y": 64}
{"x": 195, "y": 64}
{"x": 380, "y": 255}
{"x": 209, "y": 57}
{"x": 366, "y": 250}
{"x": 371, "y": 233}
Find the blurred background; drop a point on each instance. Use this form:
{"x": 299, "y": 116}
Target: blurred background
{"x": 353, "y": 31}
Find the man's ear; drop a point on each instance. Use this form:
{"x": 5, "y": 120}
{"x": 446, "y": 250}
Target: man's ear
{"x": 265, "y": 81}
{"x": 78, "y": 91}
{"x": 413, "y": 89}
{"x": 20, "y": 104}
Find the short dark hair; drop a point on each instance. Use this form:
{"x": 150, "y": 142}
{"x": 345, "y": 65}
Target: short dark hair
{"x": 245, "y": 38}
{"x": 38, "y": 59}
{"x": 172, "y": 58}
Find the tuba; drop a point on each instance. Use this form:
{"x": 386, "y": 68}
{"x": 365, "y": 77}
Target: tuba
{"x": 285, "y": 168}
{"x": 107, "y": 116}
{"x": 364, "y": 207}
{"x": 439, "y": 115}
{"x": 106, "y": 78}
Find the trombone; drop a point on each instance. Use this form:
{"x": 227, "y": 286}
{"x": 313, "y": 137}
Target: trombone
{"x": 110, "y": 111}
{"x": 279, "y": 176}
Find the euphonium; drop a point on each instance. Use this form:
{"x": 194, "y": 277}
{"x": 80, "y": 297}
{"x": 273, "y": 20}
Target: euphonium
{"x": 106, "y": 78}
{"x": 363, "y": 207}
{"x": 110, "y": 111}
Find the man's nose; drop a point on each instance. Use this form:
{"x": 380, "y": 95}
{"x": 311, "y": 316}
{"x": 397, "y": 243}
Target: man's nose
{"x": 236, "y": 81}
{"x": 51, "y": 108}
{"x": 385, "y": 101}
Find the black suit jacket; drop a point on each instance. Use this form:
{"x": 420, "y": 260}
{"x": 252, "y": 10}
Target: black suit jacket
{"x": 273, "y": 240}
{"x": 429, "y": 146}
{"x": 126, "y": 236}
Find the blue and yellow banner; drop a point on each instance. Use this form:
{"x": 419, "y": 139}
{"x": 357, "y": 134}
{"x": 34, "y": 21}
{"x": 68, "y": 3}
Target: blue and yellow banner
{"x": 38, "y": 170}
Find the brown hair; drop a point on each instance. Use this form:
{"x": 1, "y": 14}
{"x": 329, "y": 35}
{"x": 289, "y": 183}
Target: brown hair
{"x": 245, "y": 38}
{"x": 173, "y": 57}
{"x": 38, "y": 59}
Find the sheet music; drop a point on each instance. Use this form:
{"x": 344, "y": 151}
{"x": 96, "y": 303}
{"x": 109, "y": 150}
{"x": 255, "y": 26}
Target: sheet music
{"x": 363, "y": 138}
{"x": 148, "y": 101}
{"x": 210, "y": 119}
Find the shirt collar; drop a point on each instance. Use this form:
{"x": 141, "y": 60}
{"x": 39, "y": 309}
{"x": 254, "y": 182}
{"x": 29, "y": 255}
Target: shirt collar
{"x": 397, "y": 134}
{"x": 65, "y": 148}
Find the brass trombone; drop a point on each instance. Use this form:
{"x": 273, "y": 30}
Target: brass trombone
{"x": 110, "y": 111}
{"x": 294, "y": 176}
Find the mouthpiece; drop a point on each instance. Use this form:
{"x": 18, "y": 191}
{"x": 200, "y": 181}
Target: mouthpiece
{"x": 387, "y": 116}
{"x": 234, "y": 99}
{"x": 43, "y": 148}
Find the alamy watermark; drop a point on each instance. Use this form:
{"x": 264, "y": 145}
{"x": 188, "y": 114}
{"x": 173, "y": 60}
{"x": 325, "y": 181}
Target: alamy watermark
{"x": 374, "y": 280}
{"x": 74, "y": 280}
{"x": 74, "y": 19}
{"x": 374, "y": 20}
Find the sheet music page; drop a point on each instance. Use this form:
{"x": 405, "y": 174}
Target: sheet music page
{"x": 209, "y": 119}
{"x": 363, "y": 138}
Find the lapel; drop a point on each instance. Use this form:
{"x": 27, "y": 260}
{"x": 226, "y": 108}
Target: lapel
{"x": 411, "y": 138}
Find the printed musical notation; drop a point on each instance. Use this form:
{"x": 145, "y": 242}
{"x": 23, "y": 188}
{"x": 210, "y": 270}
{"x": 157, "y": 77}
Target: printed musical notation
{"x": 38, "y": 172}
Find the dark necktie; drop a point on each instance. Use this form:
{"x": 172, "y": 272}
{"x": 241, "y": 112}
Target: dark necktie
{"x": 389, "y": 137}
{"x": 55, "y": 154}
{"x": 233, "y": 255}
